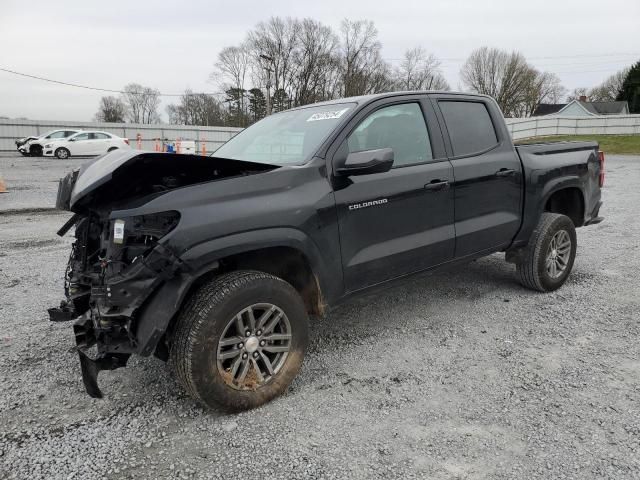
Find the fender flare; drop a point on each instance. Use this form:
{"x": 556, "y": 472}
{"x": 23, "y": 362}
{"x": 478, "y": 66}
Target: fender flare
{"x": 539, "y": 198}
{"x": 162, "y": 305}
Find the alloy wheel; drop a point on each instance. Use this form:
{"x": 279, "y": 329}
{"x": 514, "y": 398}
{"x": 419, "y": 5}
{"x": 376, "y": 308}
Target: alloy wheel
{"x": 254, "y": 346}
{"x": 558, "y": 254}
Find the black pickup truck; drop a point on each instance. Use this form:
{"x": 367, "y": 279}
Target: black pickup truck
{"x": 216, "y": 263}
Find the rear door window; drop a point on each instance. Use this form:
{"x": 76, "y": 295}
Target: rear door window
{"x": 470, "y": 127}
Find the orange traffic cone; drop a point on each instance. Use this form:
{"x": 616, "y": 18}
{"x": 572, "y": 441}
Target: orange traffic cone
{"x": 3, "y": 187}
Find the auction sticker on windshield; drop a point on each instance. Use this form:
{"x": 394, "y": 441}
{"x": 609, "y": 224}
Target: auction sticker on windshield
{"x": 327, "y": 115}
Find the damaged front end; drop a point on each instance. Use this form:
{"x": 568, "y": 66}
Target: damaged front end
{"x": 125, "y": 280}
{"x": 114, "y": 266}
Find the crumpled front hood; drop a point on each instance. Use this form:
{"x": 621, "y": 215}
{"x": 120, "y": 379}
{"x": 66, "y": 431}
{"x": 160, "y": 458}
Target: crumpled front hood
{"x": 127, "y": 174}
{"x": 99, "y": 171}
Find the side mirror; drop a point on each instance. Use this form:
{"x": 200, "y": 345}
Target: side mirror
{"x": 71, "y": 140}
{"x": 366, "y": 162}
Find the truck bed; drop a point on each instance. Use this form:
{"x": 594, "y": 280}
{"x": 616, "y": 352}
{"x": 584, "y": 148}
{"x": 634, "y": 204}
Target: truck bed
{"x": 548, "y": 148}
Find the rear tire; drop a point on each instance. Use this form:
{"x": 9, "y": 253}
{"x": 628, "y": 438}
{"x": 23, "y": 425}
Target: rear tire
{"x": 220, "y": 344}
{"x": 549, "y": 257}
{"x": 62, "y": 153}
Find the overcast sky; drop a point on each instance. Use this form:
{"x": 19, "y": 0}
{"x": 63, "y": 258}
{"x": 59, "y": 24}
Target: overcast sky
{"x": 173, "y": 45}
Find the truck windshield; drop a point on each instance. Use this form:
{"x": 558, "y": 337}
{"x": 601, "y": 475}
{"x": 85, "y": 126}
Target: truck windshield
{"x": 289, "y": 137}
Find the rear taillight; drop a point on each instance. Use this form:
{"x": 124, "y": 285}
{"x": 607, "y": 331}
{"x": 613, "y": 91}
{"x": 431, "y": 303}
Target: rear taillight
{"x": 126, "y": 140}
{"x": 601, "y": 158}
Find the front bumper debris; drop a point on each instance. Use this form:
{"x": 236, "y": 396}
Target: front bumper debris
{"x": 63, "y": 313}
{"x": 86, "y": 337}
{"x": 91, "y": 367}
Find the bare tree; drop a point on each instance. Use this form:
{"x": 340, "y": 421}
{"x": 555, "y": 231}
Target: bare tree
{"x": 277, "y": 40}
{"x": 196, "y": 109}
{"x": 419, "y": 71}
{"x": 551, "y": 89}
{"x": 142, "y": 103}
{"x": 111, "y": 109}
{"x": 315, "y": 63}
{"x": 151, "y": 102}
{"x": 232, "y": 68}
{"x": 133, "y": 97}
{"x": 543, "y": 87}
{"x": 363, "y": 69}
{"x": 505, "y": 76}
{"x": 578, "y": 93}
{"x": 303, "y": 57}
{"x": 510, "y": 80}
{"x": 608, "y": 90}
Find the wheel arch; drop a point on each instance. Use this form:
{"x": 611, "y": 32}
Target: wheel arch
{"x": 566, "y": 198}
{"x": 35, "y": 148}
{"x": 294, "y": 258}
{"x": 538, "y": 200}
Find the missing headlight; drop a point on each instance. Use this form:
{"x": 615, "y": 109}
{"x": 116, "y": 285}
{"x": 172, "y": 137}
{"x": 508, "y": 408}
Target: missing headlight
{"x": 134, "y": 235}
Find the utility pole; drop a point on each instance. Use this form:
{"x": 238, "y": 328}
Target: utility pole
{"x": 268, "y": 70}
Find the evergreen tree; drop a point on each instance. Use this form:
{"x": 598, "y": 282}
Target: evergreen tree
{"x": 631, "y": 89}
{"x": 237, "y": 116}
{"x": 257, "y": 104}
{"x": 280, "y": 100}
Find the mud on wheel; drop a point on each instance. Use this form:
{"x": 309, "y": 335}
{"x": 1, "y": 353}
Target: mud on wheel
{"x": 240, "y": 340}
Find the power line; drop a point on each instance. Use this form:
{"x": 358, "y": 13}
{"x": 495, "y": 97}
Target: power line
{"x": 550, "y": 57}
{"x": 86, "y": 87}
{"x": 445, "y": 60}
{"x": 565, "y": 72}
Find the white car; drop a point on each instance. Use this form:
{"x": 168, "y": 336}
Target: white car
{"x": 85, "y": 143}
{"x": 34, "y": 145}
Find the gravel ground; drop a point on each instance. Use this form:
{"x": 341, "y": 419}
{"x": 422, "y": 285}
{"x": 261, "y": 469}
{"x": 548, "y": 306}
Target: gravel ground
{"x": 462, "y": 374}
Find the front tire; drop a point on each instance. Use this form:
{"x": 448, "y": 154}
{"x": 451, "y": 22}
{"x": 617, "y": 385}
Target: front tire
{"x": 549, "y": 257}
{"x": 62, "y": 153}
{"x": 240, "y": 341}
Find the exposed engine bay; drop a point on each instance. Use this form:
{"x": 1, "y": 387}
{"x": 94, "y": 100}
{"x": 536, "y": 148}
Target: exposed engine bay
{"x": 116, "y": 264}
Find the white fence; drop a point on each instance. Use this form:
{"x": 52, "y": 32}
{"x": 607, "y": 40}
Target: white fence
{"x": 552, "y": 125}
{"x": 213, "y": 137}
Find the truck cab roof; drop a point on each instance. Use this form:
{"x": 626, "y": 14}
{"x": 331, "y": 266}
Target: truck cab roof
{"x": 364, "y": 99}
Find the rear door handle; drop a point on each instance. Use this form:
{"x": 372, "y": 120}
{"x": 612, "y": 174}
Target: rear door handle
{"x": 505, "y": 172}
{"x": 437, "y": 184}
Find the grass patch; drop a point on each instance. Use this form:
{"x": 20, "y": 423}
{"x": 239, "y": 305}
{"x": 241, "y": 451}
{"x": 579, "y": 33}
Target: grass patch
{"x": 613, "y": 144}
